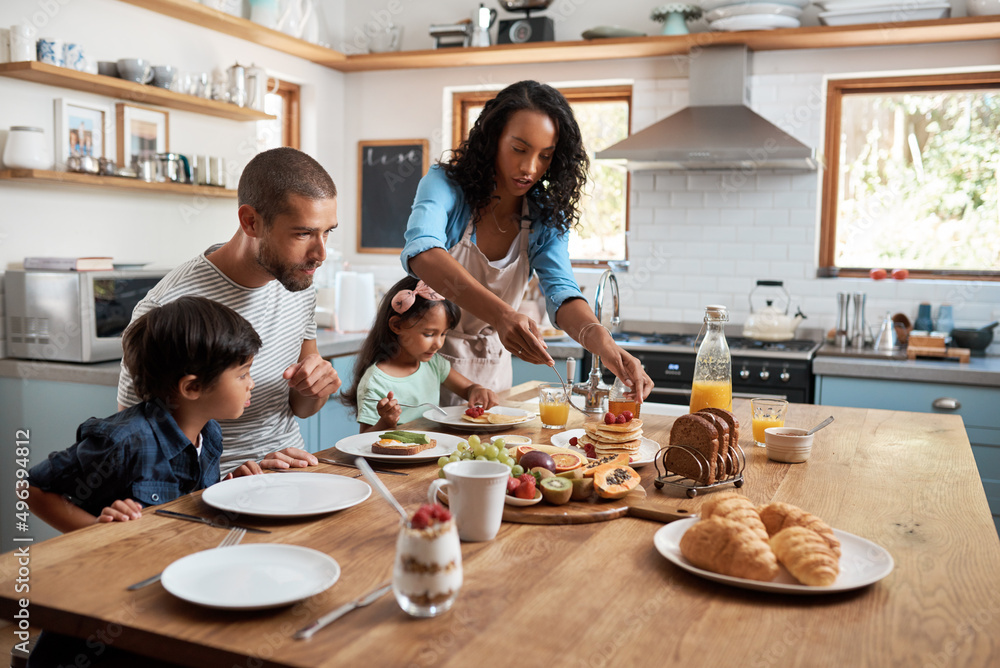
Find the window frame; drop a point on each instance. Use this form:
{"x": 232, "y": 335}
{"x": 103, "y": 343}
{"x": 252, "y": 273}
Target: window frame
{"x": 291, "y": 133}
{"x": 461, "y": 101}
{"x": 837, "y": 89}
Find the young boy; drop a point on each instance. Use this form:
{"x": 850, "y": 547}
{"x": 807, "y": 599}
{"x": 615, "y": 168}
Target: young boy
{"x": 190, "y": 360}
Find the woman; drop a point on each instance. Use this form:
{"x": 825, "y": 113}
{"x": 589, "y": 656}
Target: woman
{"x": 499, "y": 210}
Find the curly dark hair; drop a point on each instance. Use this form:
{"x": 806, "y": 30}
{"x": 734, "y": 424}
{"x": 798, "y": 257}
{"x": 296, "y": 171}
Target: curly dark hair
{"x": 382, "y": 343}
{"x": 556, "y": 196}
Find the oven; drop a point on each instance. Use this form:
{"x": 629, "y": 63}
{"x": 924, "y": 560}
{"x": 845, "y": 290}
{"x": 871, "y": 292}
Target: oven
{"x": 760, "y": 369}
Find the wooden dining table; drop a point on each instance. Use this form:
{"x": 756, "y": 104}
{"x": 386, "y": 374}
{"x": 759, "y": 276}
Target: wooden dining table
{"x": 579, "y": 594}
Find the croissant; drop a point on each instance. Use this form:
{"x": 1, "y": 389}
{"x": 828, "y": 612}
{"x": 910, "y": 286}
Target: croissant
{"x": 733, "y": 506}
{"x": 728, "y": 547}
{"x": 777, "y": 516}
{"x": 806, "y": 556}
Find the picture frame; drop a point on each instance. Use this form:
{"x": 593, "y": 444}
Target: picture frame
{"x": 81, "y": 128}
{"x": 142, "y": 131}
{"x": 388, "y": 173}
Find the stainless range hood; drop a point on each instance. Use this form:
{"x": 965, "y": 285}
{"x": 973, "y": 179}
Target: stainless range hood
{"x": 718, "y": 130}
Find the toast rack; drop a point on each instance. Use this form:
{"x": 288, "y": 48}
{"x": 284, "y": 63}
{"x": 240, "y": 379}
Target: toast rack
{"x": 733, "y": 462}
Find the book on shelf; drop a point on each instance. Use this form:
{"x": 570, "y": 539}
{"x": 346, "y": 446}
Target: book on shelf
{"x": 69, "y": 263}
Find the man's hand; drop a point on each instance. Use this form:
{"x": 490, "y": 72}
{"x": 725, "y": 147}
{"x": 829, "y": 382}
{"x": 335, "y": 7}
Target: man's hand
{"x": 312, "y": 376}
{"x": 122, "y": 510}
{"x": 249, "y": 468}
{"x": 288, "y": 458}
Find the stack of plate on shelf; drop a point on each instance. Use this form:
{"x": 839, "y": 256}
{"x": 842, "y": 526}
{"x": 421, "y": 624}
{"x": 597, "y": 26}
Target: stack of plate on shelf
{"x": 752, "y": 14}
{"x": 849, "y": 12}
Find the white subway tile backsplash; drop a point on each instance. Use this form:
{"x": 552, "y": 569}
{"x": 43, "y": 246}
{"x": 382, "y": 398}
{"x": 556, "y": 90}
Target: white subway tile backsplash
{"x": 790, "y": 269}
{"x": 773, "y": 182}
{"x": 670, "y": 181}
{"x": 687, "y": 200}
{"x": 703, "y": 216}
{"x": 654, "y": 198}
{"x": 775, "y": 217}
{"x": 756, "y": 200}
{"x": 752, "y": 268}
{"x": 772, "y": 251}
{"x": 791, "y": 200}
{"x": 686, "y": 265}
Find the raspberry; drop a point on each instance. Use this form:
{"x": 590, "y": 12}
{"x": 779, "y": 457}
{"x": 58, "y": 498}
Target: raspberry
{"x": 590, "y": 450}
{"x": 621, "y": 419}
{"x": 471, "y": 412}
{"x": 628, "y": 415}
{"x": 574, "y": 440}
{"x": 421, "y": 520}
{"x": 609, "y": 418}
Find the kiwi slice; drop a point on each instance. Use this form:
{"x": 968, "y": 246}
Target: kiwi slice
{"x": 556, "y": 490}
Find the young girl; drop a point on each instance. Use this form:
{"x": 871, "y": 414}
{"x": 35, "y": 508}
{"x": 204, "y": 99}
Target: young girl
{"x": 399, "y": 362}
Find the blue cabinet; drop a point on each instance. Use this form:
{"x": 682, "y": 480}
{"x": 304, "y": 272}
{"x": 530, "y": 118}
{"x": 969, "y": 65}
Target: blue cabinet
{"x": 525, "y": 372}
{"x": 976, "y": 404}
{"x": 335, "y": 420}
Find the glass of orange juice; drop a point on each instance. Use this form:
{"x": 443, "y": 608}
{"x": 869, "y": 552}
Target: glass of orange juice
{"x": 766, "y": 413}
{"x": 553, "y": 405}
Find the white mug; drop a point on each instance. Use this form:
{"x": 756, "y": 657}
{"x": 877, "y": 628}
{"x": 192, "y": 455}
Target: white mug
{"x": 22, "y": 43}
{"x": 51, "y": 51}
{"x": 476, "y": 491}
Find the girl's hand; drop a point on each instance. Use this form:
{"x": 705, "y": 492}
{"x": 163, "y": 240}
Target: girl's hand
{"x": 388, "y": 410}
{"x": 630, "y": 370}
{"x": 481, "y": 396}
{"x": 122, "y": 510}
{"x": 250, "y": 468}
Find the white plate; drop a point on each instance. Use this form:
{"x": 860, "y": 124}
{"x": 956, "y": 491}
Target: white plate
{"x": 646, "y": 454}
{"x": 762, "y": 8}
{"x": 885, "y": 14}
{"x": 709, "y": 5}
{"x": 610, "y": 31}
{"x": 455, "y": 413}
{"x": 754, "y": 22}
{"x": 360, "y": 445}
{"x": 286, "y": 494}
{"x": 867, "y": 5}
{"x": 120, "y": 266}
{"x": 862, "y": 562}
{"x": 250, "y": 577}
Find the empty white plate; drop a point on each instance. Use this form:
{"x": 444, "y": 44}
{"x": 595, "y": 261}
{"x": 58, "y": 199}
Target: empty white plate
{"x": 250, "y": 577}
{"x": 762, "y": 8}
{"x": 754, "y": 22}
{"x": 286, "y": 494}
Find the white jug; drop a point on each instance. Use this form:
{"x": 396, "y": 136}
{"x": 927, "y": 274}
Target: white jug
{"x": 257, "y": 88}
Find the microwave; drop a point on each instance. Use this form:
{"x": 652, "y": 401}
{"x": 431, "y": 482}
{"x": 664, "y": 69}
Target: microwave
{"x": 70, "y": 316}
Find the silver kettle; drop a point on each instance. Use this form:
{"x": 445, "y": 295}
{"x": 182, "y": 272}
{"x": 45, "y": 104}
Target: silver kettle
{"x": 886, "y": 341}
{"x": 173, "y": 167}
{"x": 482, "y": 21}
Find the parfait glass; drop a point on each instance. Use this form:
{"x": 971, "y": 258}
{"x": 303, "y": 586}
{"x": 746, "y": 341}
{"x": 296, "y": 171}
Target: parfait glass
{"x": 427, "y": 574}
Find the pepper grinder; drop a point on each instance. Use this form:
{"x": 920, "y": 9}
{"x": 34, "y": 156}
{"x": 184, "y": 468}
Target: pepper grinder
{"x": 859, "y": 329}
{"x": 841, "y": 334}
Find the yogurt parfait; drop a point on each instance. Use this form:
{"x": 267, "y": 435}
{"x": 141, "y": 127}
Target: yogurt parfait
{"x": 427, "y": 574}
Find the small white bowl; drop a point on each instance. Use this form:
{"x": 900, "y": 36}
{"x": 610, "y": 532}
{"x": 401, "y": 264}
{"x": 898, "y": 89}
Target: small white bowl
{"x": 982, "y": 7}
{"x": 788, "y": 444}
{"x": 512, "y": 440}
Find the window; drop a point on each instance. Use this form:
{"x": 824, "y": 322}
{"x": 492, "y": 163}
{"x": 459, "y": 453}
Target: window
{"x": 912, "y": 176}
{"x": 604, "y": 115}
{"x": 284, "y": 130}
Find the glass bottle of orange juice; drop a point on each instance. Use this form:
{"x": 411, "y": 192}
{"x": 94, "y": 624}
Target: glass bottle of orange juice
{"x": 712, "y": 386}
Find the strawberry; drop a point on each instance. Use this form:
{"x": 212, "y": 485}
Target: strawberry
{"x": 621, "y": 419}
{"x": 512, "y": 484}
{"x": 574, "y": 440}
{"x": 628, "y": 415}
{"x": 526, "y": 490}
{"x": 609, "y": 418}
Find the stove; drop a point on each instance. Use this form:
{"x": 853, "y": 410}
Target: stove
{"x": 760, "y": 368}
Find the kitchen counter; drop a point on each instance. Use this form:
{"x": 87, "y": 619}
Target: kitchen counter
{"x": 330, "y": 344}
{"x": 940, "y": 600}
{"x": 830, "y": 361}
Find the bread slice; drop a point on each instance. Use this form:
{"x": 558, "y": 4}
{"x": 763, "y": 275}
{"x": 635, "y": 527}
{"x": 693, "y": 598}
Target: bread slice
{"x": 382, "y": 447}
{"x": 734, "y": 430}
{"x": 699, "y": 433}
{"x": 727, "y": 464}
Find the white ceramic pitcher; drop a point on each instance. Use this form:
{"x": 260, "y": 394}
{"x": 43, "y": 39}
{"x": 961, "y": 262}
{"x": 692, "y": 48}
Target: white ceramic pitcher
{"x": 257, "y": 88}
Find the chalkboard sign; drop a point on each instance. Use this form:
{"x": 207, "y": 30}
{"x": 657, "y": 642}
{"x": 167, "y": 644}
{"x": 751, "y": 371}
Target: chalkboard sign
{"x": 388, "y": 173}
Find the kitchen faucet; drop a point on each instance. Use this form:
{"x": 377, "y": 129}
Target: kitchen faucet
{"x": 594, "y": 389}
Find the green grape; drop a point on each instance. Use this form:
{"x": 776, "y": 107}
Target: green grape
{"x": 468, "y": 454}
{"x": 504, "y": 459}
{"x": 491, "y": 452}
{"x": 440, "y": 473}
{"x": 454, "y": 457}
{"x": 442, "y": 461}
{"x": 509, "y": 463}
{"x": 473, "y": 440}
{"x": 516, "y": 470}
{"x": 462, "y": 446}
{"x": 500, "y": 443}
{"x": 480, "y": 450}
{"x": 480, "y": 458}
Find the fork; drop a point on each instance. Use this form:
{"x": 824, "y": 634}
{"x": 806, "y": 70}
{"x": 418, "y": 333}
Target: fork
{"x": 434, "y": 406}
{"x": 234, "y": 536}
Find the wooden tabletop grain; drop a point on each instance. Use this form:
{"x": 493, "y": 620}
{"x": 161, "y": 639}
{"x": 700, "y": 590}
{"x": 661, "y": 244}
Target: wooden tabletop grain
{"x": 594, "y": 594}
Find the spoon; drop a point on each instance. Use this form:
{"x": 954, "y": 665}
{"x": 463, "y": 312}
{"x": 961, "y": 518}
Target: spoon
{"x": 377, "y": 484}
{"x": 820, "y": 426}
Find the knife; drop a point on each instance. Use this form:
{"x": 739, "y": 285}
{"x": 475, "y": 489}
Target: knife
{"x": 307, "y": 631}
{"x": 217, "y": 525}
{"x": 353, "y": 466}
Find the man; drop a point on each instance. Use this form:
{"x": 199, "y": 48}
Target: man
{"x": 287, "y": 208}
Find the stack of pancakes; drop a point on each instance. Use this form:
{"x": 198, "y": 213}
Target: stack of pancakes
{"x": 613, "y": 439}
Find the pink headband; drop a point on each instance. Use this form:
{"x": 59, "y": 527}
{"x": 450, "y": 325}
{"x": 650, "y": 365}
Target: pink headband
{"x": 403, "y": 300}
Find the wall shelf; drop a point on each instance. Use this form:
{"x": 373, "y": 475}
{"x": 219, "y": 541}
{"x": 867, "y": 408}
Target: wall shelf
{"x": 970, "y": 28}
{"x": 130, "y": 91}
{"x": 118, "y": 183}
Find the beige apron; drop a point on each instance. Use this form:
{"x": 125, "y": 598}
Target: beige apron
{"x": 473, "y": 347}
